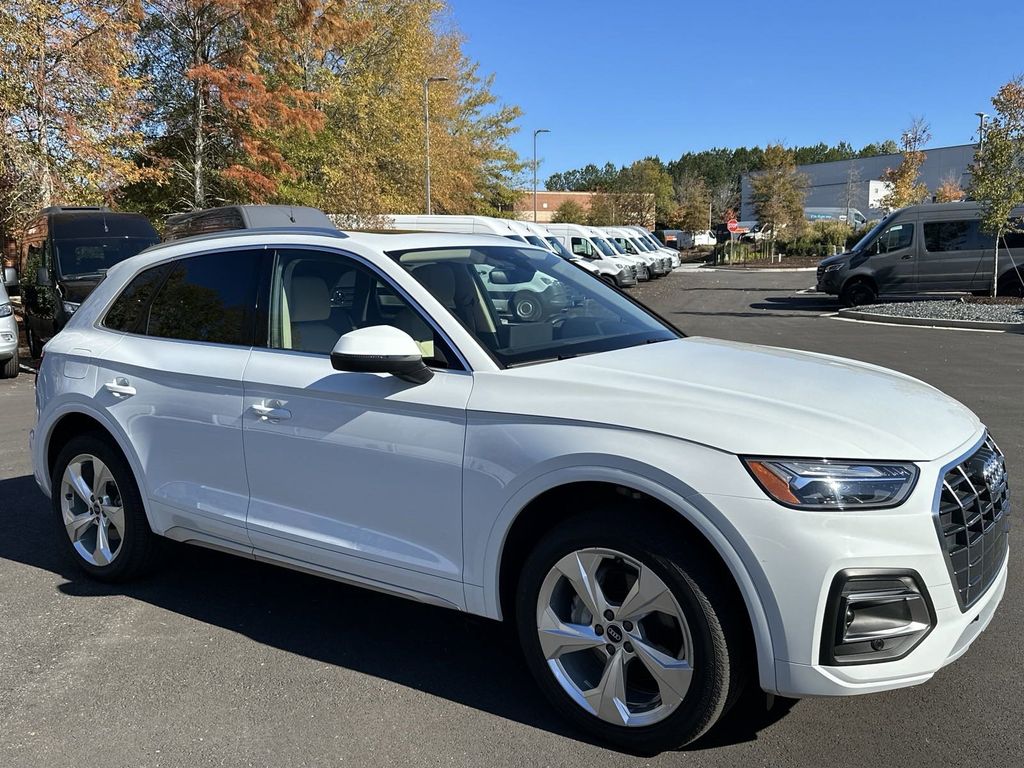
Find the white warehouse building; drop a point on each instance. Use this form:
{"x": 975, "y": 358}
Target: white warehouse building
{"x": 857, "y": 183}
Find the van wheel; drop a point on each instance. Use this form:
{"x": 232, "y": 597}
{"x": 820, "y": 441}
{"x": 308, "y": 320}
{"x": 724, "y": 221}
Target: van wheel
{"x": 10, "y": 369}
{"x": 528, "y": 306}
{"x": 98, "y": 510}
{"x": 629, "y": 636}
{"x": 35, "y": 349}
{"x": 1011, "y": 284}
{"x": 858, "y": 293}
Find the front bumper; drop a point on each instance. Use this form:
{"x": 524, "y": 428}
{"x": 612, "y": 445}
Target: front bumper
{"x": 625, "y": 278}
{"x": 795, "y": 555}
{"x": 830, "y": 282}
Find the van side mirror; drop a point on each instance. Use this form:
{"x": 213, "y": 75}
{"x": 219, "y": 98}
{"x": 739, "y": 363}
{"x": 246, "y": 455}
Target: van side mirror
{"x": 43, "y": 277}
{"x": 10, "y": 276}
{"x": 381, "y": 349}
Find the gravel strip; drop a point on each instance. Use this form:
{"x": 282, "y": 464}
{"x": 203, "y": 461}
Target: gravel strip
{"x": 949, "y": 310}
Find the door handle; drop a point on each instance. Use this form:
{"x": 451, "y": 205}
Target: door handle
{"x": 906, "y": 257}
{"x": 119, "y": 387}
{"x": 271, "y": 410}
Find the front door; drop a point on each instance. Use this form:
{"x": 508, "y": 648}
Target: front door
{"x": 358, "y": 474}
{"x": 893, "y": 259}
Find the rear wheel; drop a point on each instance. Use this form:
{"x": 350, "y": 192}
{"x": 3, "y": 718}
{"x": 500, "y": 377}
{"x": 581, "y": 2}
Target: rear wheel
{"x": 11, "y": 367}
{"x": 858, "y": 293}
{"x": 99, "y": 511}
{"x": 1011, "y": 284}
{"x": 627, "y": 634}
{"x": 35, "y": 349}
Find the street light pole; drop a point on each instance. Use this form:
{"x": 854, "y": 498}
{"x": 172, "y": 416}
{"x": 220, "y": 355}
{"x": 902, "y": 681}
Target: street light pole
{"x": 981, "y": 136}
{"x": 539, "y": 130}
{"x": 426, "y": 127}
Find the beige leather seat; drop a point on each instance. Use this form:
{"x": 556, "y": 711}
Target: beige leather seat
{"x": 314, "y": 329}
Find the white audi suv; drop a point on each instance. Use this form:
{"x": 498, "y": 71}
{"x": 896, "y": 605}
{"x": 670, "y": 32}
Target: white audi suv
{"x": 664, "y": 519}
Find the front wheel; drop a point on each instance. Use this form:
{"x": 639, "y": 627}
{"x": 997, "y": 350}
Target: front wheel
{"x": 35, "y": 348}
{"x": 11, "y": 367}
{"x": 858, "y": 293}
{"x": 98, "y": 510}
{"x": 627, "y": 634}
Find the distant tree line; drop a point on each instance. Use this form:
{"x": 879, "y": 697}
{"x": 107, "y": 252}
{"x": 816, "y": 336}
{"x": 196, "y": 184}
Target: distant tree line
{"x": 685, "y": 188}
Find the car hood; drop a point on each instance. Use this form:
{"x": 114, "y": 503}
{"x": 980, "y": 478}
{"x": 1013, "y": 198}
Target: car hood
{"x": 741, "y": 398}
{"x": 839, "y": 257}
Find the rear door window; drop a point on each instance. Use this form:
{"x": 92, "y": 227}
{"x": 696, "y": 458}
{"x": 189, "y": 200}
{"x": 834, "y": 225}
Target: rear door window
{"x": 130, "y": 310}
{"x": 209, "y": 298}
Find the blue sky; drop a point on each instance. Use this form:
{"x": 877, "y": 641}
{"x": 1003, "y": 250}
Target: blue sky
{"x": 618, "y": 80}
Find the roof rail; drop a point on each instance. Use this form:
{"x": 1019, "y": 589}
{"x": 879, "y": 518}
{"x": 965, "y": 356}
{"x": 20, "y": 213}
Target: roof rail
{"x": 236, "y": 233}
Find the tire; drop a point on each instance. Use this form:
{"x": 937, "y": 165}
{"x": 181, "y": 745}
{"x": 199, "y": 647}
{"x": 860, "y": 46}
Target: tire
{"x": 131, "y": 544}
{"x": 35, "y": 349}
{"x": 857, "y": 293}
{"x": 11, "y": 367}
{"x": 712, "y": 635}
{"x": 1011, "y": 284}
{"x": 528, "y": 306}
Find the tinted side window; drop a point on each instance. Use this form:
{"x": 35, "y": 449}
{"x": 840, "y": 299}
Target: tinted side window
{"x": 129, "y": 310}
{"x": 208, "y": 298}
{"x": 896, "y": 237}
{"x": 942, "y": 236}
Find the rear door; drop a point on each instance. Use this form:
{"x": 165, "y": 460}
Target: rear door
{"x": 951, "y": 257}
{"x": 174, "y": 385}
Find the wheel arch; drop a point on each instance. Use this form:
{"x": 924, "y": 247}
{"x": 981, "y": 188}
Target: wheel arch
{"x": 77, "y": 418}
{"x": 544, "y": 503}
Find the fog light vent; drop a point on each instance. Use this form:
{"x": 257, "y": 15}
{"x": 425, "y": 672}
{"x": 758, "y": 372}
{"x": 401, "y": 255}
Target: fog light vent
{"x": 874, "y": 616}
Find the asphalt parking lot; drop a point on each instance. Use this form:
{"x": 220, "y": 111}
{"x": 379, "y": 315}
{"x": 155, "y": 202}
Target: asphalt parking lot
{"x": 217, "y": 661}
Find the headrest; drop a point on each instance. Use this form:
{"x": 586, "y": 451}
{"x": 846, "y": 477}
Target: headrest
{"x": 439, "y": 279}
{"x": 308, "y": 299}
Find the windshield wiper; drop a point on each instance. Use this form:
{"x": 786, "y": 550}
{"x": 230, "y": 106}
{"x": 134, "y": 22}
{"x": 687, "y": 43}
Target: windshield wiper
{"x": 84, "y": 275}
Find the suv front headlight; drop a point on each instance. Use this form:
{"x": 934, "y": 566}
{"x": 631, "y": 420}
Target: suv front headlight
{"x": 835, "y": 267}
{"x": 839, "y": 485}
{"x": 5, "y": 310}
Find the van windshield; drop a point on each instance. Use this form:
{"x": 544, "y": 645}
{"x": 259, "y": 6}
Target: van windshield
{"x": 614, "y": 242}
{"x": 606, "y": 249}
{"x": 84, "y": 257}
{"x": 534, "y": 240}
{"x": 560, "y": 248}
{"x": 517, "y": 238}
{"x": 865, "y": 241}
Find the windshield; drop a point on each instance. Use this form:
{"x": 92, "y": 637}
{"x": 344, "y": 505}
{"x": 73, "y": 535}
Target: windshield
{"x": 539, "y": 242}
{"x": 92, "y": 256}
{"x": 524, "y": 306}
{"x": 606, "y": 249}
{"x": 517, "y": 238}
{"x": 642, "y": 244}
{"x": 865, "y": 241}
{"x": 560, "y": 248}
{"x": 616, "y": 244}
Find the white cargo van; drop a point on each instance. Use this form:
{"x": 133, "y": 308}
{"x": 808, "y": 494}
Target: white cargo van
{"x": 623, "y": 240}
{"x": 578, "y": 240}
{"x": 470, "y": 225}
{"x": 652, "y": 241}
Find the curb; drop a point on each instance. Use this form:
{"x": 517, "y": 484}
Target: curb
{"x": 930, "y": 322}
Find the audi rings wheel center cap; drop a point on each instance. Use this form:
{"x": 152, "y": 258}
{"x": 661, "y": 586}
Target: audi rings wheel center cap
{"x": 614, "y": 633}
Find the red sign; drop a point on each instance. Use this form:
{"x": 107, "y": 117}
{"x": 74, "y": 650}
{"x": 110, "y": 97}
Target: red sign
{"x": 733, "y": 225}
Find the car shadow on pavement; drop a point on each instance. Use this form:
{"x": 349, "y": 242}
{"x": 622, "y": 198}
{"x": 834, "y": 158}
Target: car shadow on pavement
{"x": 812, "y": 302}
{"x": 437, "y": 651}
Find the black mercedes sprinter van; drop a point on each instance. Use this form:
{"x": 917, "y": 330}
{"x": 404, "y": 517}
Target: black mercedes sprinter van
{"x": 65, "y": 253}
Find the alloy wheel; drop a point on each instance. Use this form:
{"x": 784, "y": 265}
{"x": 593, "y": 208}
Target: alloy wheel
{"x": 614, "y": 636}
{"x": 92, "y": 510}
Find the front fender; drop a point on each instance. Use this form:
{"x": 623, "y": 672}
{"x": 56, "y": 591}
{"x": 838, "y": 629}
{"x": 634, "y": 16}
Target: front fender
{"x": 495, "y": 496}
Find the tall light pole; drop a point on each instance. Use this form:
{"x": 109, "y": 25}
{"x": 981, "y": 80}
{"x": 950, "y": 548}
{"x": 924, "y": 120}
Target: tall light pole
{"x": 539, "y": 130}
{"x": 981, "y": 136}
{"x": 426, "y": 127}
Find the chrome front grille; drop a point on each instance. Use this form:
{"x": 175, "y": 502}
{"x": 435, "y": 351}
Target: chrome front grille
{"x": 973, "y": 521}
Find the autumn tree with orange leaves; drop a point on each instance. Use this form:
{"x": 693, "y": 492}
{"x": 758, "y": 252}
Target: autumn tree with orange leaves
{"x": 69, "y": 107}
{"x": 227, "y": 78}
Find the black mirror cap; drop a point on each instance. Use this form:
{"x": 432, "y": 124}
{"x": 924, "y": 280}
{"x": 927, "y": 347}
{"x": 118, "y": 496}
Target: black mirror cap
{"x": 409, "y": 368}
{"x": 43, "y": 277}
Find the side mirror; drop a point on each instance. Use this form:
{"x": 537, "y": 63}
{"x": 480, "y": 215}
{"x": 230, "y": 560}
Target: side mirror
{"x": 43, "y": 277}
{"x": 10, "y": 276}
{"x": 381, "y": 349}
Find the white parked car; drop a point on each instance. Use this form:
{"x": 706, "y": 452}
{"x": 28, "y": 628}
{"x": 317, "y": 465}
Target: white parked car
{"x": 8, "y": 337}
{"x": 658, "y": 530}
